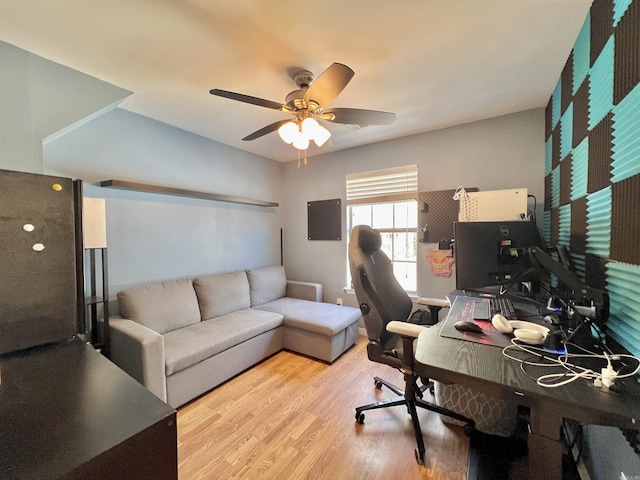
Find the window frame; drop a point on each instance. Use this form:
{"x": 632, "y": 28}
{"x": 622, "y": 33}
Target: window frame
{"x": 390, "y": 186}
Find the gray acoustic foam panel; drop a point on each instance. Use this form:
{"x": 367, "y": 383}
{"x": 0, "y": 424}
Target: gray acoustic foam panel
{"x": 37, "y": 260}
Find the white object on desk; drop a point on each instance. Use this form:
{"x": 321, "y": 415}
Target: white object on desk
{"x": 526, "y": 335}
{"x": 501, "y": 324}
{"x": 528, "y": 332}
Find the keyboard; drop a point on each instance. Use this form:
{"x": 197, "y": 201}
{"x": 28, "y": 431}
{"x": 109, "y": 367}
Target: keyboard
{"x": 503, "y": 306}
{"x": 486, "y": 310}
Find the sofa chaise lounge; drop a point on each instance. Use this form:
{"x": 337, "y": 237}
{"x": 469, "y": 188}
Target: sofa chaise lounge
{"x": 183, "y": 337}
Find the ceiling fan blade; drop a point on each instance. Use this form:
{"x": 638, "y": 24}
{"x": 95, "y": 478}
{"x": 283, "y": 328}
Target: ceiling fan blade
{"x": 264, "y": 130}
{"x": 261, "y": 102}
{"x": 329, "y": 84}
{"x": 356, "y": 116}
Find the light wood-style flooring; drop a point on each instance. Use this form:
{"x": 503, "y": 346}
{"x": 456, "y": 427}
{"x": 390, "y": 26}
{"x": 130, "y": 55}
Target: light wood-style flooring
{"x": 291, "y": 417}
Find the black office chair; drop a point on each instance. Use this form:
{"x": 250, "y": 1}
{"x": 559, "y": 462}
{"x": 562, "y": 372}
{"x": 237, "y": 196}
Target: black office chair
{"x": 382, "y": 300}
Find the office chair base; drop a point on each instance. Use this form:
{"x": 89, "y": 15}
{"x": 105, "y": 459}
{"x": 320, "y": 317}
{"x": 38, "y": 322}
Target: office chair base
{"x": 379, "y": 382}
{"x": 412, "y": 398}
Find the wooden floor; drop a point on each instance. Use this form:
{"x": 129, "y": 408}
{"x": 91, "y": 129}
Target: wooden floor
{"x": 291, "y": 417}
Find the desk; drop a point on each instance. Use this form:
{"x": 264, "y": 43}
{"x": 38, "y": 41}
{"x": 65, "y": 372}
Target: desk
{"x": 67, "y": 412}
{"x": 484, "y": 368}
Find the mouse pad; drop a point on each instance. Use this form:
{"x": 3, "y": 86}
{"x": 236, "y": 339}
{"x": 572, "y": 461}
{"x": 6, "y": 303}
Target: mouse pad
{"x": 462, "y": 309}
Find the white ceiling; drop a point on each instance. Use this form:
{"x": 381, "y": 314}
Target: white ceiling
{"x": 435, "y": 63}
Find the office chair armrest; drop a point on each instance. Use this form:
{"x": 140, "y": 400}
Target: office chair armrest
{"x": 404, "y": 328}
{"x": 436, "y": 302}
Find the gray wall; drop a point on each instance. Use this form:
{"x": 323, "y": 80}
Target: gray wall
{"x": 38, "y": 98}
{"x": 500, "y": 153}
{"x": 154, "y": 237}
{"x": 58, "y": 121}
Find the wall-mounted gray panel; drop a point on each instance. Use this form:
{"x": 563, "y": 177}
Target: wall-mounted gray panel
{"x": 324, "y": 220}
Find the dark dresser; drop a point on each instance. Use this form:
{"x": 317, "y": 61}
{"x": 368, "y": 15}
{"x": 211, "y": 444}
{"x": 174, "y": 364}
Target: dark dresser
{"x": 66, "y": 412}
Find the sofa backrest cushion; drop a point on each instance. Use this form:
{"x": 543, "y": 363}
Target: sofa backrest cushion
{"x": 162, "y": 307}
{"x": 221, "y": 294}
{"x": 267, "y": 284}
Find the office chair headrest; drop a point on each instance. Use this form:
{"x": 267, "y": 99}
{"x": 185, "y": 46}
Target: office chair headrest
{"x": 369, "y": 240}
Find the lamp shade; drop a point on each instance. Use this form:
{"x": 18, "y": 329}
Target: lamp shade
{"x": 288, "y": 132}
{"x": 321, "y": 135}
{"x": 309, "y": 127}
{"x": 94, "y": 223}
{"x": 301, "y": 141}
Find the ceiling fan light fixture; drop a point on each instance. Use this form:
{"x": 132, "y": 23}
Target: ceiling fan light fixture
{"x": 321, "y": 135}
{"x": 307, "y": 105}
{"x": 288, "y": 132}
{"x": 301, "y": 141}
{"x": 309, "y": 127}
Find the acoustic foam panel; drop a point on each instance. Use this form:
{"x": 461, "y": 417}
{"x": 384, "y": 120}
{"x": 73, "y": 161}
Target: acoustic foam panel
{"x": 627, "y": 53}
{"x": 604, "y": 178}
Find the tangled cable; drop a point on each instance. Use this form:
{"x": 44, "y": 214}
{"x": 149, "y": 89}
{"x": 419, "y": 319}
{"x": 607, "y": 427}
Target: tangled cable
{"x": 571, "y": 371}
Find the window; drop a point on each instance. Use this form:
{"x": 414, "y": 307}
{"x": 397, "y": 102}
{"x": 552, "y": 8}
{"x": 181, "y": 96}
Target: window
{"x": 386, "y": 201}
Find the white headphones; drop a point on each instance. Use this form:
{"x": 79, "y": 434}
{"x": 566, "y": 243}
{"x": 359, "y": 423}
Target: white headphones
{"x": 528, "y": 335}
{"x": 501, "y": 324}
{"x": 525, "y": 331}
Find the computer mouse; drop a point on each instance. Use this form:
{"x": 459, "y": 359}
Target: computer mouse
{"x": 465, "y": 326}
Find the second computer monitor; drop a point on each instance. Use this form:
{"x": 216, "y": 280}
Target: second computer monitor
{"x": 486, "y": 253}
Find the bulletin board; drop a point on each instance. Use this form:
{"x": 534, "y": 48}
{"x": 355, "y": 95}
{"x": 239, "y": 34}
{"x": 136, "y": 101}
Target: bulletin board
{"x": 438, "y": 211}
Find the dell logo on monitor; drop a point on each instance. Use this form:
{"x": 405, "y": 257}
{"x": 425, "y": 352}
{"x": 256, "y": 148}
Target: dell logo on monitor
{"x": 504, "y": 230}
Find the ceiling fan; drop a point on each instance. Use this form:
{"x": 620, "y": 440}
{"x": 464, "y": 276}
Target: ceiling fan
{"x": 308, "y": 104}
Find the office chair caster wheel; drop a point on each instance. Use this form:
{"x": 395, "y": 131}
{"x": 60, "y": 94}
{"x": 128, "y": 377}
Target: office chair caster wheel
{"x": 360, "y": 417}
{"x": 378, "y": 384}
{"x": 468, "y": 429}
{"x": 419, "y": 458}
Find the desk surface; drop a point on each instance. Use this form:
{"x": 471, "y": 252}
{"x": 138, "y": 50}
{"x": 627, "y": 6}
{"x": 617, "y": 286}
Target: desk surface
{"x": 63, "y": 406}
{"x": 485, "y": 368}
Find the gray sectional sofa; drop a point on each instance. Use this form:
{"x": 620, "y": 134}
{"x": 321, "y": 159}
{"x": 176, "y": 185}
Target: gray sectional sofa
{"x": 183, "y": 337}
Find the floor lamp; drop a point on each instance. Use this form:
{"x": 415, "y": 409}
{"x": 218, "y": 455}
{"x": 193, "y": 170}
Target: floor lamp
{"x": 94, "y": 230}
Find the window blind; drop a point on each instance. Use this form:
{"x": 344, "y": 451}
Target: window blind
{"x": 387, "y": 185}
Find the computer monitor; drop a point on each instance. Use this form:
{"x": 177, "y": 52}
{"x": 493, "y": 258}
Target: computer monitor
{"x": 481, "y": 253}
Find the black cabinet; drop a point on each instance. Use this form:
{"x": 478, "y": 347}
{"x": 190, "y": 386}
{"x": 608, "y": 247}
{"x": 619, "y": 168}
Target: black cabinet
{"x": 66, "y": 412}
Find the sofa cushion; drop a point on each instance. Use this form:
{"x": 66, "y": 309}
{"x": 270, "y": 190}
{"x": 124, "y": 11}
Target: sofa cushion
{"x": 324, "y": 318}
{"x": 188, "y": 346}
{"x": 267, "y": 284}
{"x": 221, "y": 294}
{"x": 162, "y": 307}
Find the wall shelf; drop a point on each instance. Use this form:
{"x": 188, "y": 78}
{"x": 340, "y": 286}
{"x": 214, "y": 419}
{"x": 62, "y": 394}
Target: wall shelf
{"x": 143, "y": 187}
